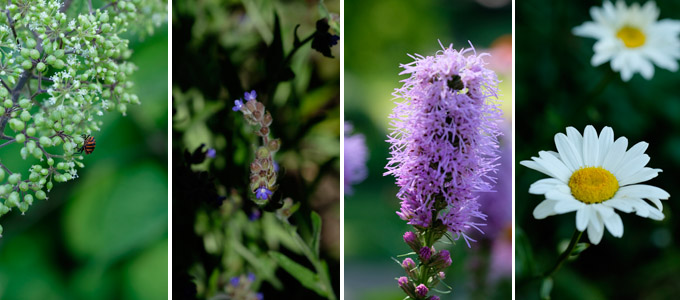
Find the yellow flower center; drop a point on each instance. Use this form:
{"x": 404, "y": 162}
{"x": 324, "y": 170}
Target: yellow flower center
{"x": 593, "y": 185}
{"x": 631, "y": 36}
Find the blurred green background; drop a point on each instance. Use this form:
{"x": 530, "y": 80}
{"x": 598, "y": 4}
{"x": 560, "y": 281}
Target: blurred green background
{"x": 557, "y": 87}
{"x": 105, "y": 234}
{"x": 378, "y": 36}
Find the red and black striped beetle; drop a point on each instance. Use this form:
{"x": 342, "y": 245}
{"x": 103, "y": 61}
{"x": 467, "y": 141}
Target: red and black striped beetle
{"x": 88, "y": 144}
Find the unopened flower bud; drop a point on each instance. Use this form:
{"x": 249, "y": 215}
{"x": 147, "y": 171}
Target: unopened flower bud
{"x": 412, "y": 240}
{"x": 421, "y": 290}
{"x": 425, "y": 253}
{"x": 274, "y": 145}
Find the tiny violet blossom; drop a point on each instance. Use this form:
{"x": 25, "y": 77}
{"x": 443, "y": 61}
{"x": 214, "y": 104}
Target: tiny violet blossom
{"x": 356, "y": 155}
{"x": 632, "y": 38}
{"x": 595, "y": 176}
{"x": 237, "y": 105}
{"x": 263, "y": 193}
{"x": 211, "y": 153}
{"x": 250, "y": 96}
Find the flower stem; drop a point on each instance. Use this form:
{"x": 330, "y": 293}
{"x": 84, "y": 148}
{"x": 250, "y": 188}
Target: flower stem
{"x": 563, "y": 257}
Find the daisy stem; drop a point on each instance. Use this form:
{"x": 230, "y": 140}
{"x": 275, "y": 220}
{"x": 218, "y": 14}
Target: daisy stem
{"x": 563, "y": 257}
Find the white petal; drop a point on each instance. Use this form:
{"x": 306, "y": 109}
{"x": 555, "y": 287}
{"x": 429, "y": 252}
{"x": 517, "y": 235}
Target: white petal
{"x": 544, "y": 209}
{"x": 595, "y": 230}
{"x": 590, "y": 146}
{"x": 554, "y": 165}
{"x": 605, "y": 142}
{"x": 642, "y": 191}
{"x": 614, "y": 225}
{"x": 531, "y": 164}
{"x": 615, "y": 154}
{"x": 622, "y": 204}
{"x": 603, "y": 210}
{"x": 544, "y": 185}
{"x": 640, "y": 176}
{"x": 582, "y": 216}
{"x": 568, "y": 153}
{"x": 577, "y": 141}
{"x": 656, "y": 202}
{"x": 630, "y": 167}
{"x": 560, "y": 195}
{"x": 562, "y": 207}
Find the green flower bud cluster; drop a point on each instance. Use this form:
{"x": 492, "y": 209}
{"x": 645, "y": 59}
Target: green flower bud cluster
{"x": 59, "y": 72}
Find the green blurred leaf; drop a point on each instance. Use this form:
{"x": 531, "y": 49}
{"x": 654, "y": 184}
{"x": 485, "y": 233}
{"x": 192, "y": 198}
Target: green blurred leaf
{"x": 546, "y": 288}
{"x": 120, "y": 210}
{"x": 306, "y": 277}
{"x": 316, "y": 236}
{"x": 524, "y": 260}
{"x": 146, "y": 276}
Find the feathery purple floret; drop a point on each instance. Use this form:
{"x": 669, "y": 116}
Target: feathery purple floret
{"x": 355, "y": 162}
{"x": 444, "y": 139}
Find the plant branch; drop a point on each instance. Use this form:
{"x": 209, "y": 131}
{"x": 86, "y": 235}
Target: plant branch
{"x": 563, "y": 257}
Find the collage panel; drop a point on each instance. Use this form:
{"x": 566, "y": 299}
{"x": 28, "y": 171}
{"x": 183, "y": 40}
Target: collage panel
{"x": 596, "y": 154}
{"x": 256, "y": 150}
{"x": 83, "y": 149}
{"x": 427, "y": 150}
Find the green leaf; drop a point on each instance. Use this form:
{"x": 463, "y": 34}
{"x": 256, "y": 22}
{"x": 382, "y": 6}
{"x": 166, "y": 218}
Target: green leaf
{"x": 316, "y": 237}
{"x": 580, "y": 247}
{"x": 546, "y": 288}
{"x": 305, "y": 276}
{"x": 524, "y": 260}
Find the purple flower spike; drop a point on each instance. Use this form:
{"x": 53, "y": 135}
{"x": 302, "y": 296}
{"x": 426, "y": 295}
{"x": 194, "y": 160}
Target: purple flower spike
{"x": 403, "y": 281}
{"x": 250, "y": 96}
{"x": 425, "y": 253}
{"x": 444, "y": 142}
{"x": 421, "y": 290}
{"x": 237, "y": 105}
{"x": 259, "y": 296}
{"x": 234, "y": 281}
{"x": 263, "y": 193}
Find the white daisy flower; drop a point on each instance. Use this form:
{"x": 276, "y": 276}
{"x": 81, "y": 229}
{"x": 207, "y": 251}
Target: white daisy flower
{"x": 632, "y": 38}
{"x": 594, "y": 176}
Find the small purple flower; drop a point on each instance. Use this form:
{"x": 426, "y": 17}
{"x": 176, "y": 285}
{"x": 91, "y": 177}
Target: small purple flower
{"x": 234, "y": 281}
{"x": 433, "y": 297}
{"x": 334, "y": 40}
{"x": 442, "y": 275}
{"x": 276, "y": 166}
{"x": 211, "y": 153}
{"x": 250, "y": 96}
{"x": 403, "y": 281}
{"x": 408, "y": 263}
{"x": 425, "y": 253}
{"x": 251, "y": 277}
{"x": 421, "y": 290}
{"x": 259, "y": 296}
{"x": 263, "y": 193}
{"x": 237, "y": 105}
{"x": 255, "y": 215}
{"x": 356, "y": 155}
